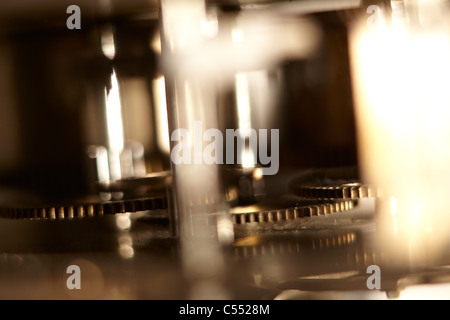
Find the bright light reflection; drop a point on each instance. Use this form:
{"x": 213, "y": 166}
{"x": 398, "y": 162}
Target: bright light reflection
{"x": 248, "y": 156}
{"x": 401, "y": 77}
{"x": 126, "y": 250}
{"x": 210, "y": 25}
{"x": 108, "y": 45}
{"x": 114, "y": 115}
{"x": 123, "y": 221}
{"x": 100, "y": 154}
{"x": 225, "y": 229}
{"x": 237, "y": 35}
{"x": 258, "y": 174}
{"x": 114, "y": 124}
{"x": 162, "y": 125}
{"x": 426, "y": 292}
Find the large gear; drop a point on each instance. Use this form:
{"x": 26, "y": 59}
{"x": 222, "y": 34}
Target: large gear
{"x": 84, "y": 209}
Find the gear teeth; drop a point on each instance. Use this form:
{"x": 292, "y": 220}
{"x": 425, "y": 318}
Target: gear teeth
{"x": 347, "y": 191}
{"x": 292, "y": 213}
{"x": 70, "y": 212}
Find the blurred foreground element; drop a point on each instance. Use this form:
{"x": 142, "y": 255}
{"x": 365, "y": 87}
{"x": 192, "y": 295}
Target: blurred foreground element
{"x": 205, "y": 55}
{"x": 401, "y": 67}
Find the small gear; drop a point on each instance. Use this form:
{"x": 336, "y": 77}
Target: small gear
{"x": 333, "y": 183}
{"x": 81, "y": 210}
{"x": 354, "y": 190}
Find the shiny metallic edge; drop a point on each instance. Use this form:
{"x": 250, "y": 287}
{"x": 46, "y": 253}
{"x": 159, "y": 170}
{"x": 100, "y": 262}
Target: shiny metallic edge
{"x": 84, "y": 210}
